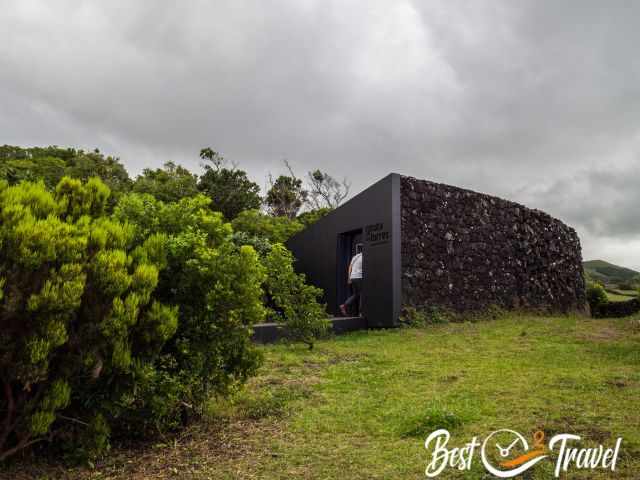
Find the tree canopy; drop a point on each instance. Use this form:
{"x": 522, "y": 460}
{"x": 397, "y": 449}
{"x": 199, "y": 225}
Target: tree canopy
{"x": 230, "y": 190}
{"x": 169, "y": 184}
{"x": 50, "y": 164}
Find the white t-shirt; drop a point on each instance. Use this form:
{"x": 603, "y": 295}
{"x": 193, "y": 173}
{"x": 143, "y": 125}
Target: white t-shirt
{"x": 356, "y": 266}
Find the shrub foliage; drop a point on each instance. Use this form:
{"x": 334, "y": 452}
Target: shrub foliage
{"x": 78, "y": 321}
{"x": 121, "y": 315}
{"x": 597, "y": 297}
{"x": 217, "y": 285}
{"x": 293, "y": 302}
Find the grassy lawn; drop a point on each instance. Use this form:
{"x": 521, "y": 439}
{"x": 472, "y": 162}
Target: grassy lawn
{"x": 360, "y": 406}
{"x": 620, "y": 295}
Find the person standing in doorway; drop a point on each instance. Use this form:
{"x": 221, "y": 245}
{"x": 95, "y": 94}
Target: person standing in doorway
{"x": 354, "y": 276}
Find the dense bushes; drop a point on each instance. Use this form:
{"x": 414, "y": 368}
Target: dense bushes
{"x": 217, "y": 285}
{"x": 78, "y": 325}
{"x": 596, "y": 297}
{"x": 121, "y": 316}
{"x": 125, "y": 324}
{"x": 275, "y": 229}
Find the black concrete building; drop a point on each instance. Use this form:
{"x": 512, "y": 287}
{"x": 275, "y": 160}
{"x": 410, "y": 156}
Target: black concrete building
{"x": 429, "y": 244}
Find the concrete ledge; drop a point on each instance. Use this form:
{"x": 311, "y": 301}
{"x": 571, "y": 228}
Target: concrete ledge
{"x": 348, "y": 324}
{"x": 271, "y": 332}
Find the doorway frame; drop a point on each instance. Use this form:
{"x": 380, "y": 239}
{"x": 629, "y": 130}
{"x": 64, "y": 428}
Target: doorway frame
{"x": 344, "y": 248}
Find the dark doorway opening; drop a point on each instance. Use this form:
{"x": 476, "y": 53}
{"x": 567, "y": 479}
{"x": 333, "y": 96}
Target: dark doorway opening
{"x": 347, "y": 242}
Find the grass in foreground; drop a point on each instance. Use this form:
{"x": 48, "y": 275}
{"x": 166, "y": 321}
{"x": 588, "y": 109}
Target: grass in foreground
{"x": 360, "y": 406}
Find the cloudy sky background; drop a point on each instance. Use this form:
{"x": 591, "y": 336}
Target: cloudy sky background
{"x": 535, "y": 101}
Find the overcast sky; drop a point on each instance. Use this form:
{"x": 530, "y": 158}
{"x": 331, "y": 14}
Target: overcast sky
{"x": 538, "y": 102}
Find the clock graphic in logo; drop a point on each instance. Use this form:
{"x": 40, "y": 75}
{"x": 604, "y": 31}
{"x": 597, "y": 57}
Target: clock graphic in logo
{"x": 506, "y": 453}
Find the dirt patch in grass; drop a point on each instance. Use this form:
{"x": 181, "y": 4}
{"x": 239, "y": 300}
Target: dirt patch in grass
{"x": 619, "y": 382}
{"x": 347, "y": 358}
{"x": 570, "y": 424}
{"x": 333, "y": 359}
{"x": 195, "y": 453}
{"x": 450, "y": 378}
{"x": 599, "y": 334}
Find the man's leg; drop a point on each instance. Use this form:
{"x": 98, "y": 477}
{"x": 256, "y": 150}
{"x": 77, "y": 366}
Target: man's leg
{"x": 358, "y": 294}
{"x": 346, "y": 307}
{"x": 346, "y": 311}
{"x": 355, "y": 297}
{"x": 347, "y": 302}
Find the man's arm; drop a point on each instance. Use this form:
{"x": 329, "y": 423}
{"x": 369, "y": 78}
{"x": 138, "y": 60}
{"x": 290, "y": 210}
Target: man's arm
{"x": 349, "y": 272}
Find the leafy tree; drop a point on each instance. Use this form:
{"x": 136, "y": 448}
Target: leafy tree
{"x": 50, "y": 164}
{"x": 294, "y": 303}
{"x": 229, "y": 189}
{"x": 325, "y": 191}
{"x": 312, "y": 216}
{"x": 169, "y": 184}
{"x": 85, "y": 165}
{"x": 275, "y": 229}
{"x": 286, "y": 196}
{"x": 260, "y": 244}
{"x": 78, "y": 325}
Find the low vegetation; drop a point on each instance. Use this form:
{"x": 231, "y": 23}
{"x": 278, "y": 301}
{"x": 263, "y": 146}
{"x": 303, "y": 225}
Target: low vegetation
{"x": 360, "y": 405}
{"x": 126, "y": 304}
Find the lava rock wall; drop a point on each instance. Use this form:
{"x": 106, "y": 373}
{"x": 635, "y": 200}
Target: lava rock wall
{"x": 617, "y": 309}
{"x": 467, "y": 251}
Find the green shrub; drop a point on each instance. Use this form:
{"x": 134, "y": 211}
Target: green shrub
{"x": 78, "y": 324}
{"x": 218, "y": 286}
{"x": 274, "y": 229}
{"x": 260, "y": 244}
{"x": 312, "y": 216}
{"x": 124, "y": 325}
{"x": 289, "y": 300}
{"x": 293, "y": 303}
{"x": 596, "y": 296}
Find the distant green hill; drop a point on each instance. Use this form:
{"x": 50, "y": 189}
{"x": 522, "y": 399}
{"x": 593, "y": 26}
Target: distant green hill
{"x": 610, "y": 274}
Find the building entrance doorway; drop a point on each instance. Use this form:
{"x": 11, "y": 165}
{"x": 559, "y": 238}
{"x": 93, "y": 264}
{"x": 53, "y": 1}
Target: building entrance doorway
{"x": 347, "y": 242}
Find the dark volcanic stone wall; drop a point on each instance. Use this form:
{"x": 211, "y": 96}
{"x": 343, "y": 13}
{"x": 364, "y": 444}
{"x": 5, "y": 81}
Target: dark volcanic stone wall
{"x": 617, "y": 309}
{"x": 465, "y": 251}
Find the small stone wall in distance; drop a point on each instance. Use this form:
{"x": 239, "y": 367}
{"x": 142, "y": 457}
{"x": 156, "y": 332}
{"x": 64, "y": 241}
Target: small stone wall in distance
{"x": 468, "y": 251}
{"x": 625, "y": 308}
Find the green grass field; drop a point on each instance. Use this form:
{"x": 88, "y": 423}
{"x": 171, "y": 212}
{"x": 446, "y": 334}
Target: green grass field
{"x": 618, "y": 297}
{"x": 615, "y": 295}
{"x": 360, "y": 406}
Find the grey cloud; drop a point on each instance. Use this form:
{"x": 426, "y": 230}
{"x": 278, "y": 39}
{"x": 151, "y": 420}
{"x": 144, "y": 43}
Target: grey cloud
{"x": 602, "y": 203}
{"x": 536, "y": 101}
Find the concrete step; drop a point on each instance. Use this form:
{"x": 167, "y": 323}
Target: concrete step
{"x": 271, "y": 332}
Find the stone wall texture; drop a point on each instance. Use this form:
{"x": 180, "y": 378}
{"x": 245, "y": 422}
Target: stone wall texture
{"x": 467, "y": 251}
